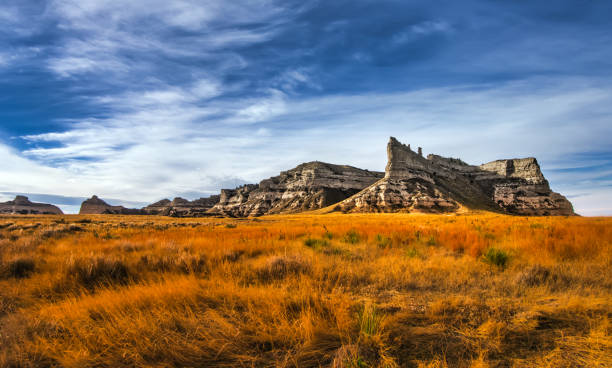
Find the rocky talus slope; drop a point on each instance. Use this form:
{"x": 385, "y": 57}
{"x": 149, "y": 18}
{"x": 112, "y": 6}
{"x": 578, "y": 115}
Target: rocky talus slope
{"x": 437, "y": 184}
{"x": 309, "y": 186}
{"x": 21, "y": 205}
{"x": 180, "y": 207}
{"x": 96, "y": 206}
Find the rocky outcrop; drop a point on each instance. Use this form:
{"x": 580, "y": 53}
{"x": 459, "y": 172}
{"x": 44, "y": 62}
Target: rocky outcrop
{"x": 309, "y": 186}
{"x": 21, "y": 205}
{"x": 519, "y": 187}
{"x": 438, "y": 184}
{"x": 180, "y": 207}
{"x": 96, "y": 206}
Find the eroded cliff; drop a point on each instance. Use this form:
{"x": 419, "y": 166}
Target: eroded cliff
{"x": 438, "y": 184}
{"x": 309, "y": 186}
{"x": 21, "y": 205}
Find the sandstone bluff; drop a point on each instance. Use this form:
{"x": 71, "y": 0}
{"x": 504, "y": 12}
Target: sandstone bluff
{"x": 410, "y": 183}
{"x": 309, "y": 186}
{"x": 21, "y": 205}
{"x": 437, "y": 184}
{"x": 95, "y": 205}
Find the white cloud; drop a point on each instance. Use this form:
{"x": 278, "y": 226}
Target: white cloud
{"x": 67, "y": 66}
{"x": 183, "y": 146}
{"x": 431, "y": 27}
{"x": 100, "y": 32}
{"x": 421, "y": 29}
{"x": 263, "y": 109}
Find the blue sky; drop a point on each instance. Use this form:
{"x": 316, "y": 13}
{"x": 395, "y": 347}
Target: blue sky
{"x": 141, "y": 100}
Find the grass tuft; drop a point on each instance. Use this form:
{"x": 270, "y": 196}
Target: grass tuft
{"x": 316, "y": 244}
{"x": 96, "y": 271}
{"x": 352, "y": 237}
{"x": 496, "y": 257}
{"x": 19, "y": 267}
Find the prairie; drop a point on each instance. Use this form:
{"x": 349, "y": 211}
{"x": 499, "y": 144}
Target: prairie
{"x": 369, "y": 290}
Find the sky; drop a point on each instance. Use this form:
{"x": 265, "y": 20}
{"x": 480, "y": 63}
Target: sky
{"x": 141, "y": 100}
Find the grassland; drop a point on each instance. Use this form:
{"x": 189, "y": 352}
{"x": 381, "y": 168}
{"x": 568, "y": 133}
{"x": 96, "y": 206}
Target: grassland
{"x": 378, "y": 290}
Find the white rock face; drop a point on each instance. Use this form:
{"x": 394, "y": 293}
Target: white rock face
{"x": 309, "y": 186}
{"x": 438, "y": 184}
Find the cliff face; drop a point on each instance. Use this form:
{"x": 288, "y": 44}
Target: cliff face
{"x": 519, "y": 187}
{"x": 309, "y": 186}
{"x": 180, "y": 207}
{"x": 96, "y": 206}
{"x": 22, "y": 205}
{"x": 438, "y": 184}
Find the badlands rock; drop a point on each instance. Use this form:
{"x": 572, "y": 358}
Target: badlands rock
{"x": 180, "y": 207}
{"x": 309, "y": 186}
{"x": 96, "y": 206}
{"x": 22, "y": 205}
{"x": 438, "y": 184}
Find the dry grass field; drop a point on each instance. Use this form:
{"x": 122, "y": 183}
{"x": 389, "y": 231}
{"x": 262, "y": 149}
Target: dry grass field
{"x": 376, "y": 290}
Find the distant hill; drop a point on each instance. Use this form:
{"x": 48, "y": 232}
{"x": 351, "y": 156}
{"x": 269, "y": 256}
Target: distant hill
{"x": 22, "y": 205}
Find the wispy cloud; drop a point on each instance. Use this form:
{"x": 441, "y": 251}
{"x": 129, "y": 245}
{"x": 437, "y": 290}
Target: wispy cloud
{"x": 198, "y": 147}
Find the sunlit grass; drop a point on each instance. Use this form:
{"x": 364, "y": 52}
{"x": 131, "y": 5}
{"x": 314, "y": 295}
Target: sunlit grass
{"x": 376, "y": 290}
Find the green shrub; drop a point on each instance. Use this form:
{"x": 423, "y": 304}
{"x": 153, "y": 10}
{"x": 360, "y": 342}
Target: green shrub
{"x": 352, "y": 237}
{"x": 316, "y": 244}
{"x": 383, "y": 241}
{"x": 412, "y": 252}
{"x": 496, "y": 257}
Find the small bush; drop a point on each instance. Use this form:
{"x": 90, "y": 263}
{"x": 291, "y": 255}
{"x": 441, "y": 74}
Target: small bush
{"x": 316, "y": 243}
{"x": 17, "y": 268}
{"x": 92, "y": 272}
{"x": 533, "y": 275}
{"x": 383, "y": 241}
{"x": 412, "y": 253}
{"x": 230, "y": 226}
{"x": 352, "y": 237}
{"x": 279, "y": 267}
{"x": 496, "y": 257}
{"x": 536, "y": 275}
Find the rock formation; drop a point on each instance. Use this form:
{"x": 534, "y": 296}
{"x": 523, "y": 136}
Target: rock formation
{"x": 96, "y": 206}
{"x": 22, "y": 205}
{"x": 438, "y": 184}
{"x": 309, "y": 186}
{"x": 180, "y": 207}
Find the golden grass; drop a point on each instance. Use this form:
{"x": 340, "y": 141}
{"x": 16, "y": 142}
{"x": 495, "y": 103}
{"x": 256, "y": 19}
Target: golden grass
{"x": 369, "y": 290}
